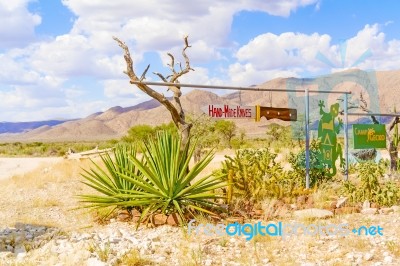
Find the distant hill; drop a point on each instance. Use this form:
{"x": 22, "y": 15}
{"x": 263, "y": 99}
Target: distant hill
{"x": 19, "y": 127}
{"x": 115, "y": 122}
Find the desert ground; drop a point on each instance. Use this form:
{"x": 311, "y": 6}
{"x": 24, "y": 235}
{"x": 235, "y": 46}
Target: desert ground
{"x": 40, "y": 225}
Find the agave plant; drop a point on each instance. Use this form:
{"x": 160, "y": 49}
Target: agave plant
{"x": 159, "y": 181}
{"x": 109, "y": 181}
{"x": 165, "y": 183}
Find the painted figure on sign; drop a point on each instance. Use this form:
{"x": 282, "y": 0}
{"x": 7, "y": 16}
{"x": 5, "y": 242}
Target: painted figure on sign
{"x": 327, "y": 134}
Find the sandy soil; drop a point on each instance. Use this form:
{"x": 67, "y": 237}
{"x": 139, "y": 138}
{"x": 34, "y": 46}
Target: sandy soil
{"x": 18, "y": 166}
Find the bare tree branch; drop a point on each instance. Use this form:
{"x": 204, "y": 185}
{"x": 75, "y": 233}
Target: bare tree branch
{"x": 187, "y": 62}
{"x": 172, "y": 64}
{"x": 161, "y": 76}
{"x": 176, "y": 117}
{"x": 144, "y": 73}
{"x": 364, "y": 107}
{"x": 396, "y": 120}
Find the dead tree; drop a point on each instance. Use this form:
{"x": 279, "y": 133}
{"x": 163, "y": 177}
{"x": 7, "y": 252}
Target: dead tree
{"x": 174, "y": 107}
{"x": 391, "y": 143}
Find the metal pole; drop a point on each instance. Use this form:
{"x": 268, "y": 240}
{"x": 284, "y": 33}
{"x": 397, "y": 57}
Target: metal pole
{"x": 168, "y": 84}
{"x": 307, "y": 140}
{"x": 374, "y": 114}
{"x": 346, "y": 139}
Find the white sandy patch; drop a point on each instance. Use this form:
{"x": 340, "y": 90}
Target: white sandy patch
{"x": 18, "y": 166}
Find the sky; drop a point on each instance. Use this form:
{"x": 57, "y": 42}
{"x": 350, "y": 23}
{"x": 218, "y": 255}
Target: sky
{"x": 58, "y": 59}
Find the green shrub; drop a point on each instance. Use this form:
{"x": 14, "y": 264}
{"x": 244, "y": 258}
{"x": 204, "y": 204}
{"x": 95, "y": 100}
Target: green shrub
{"x": 318, "y": 173}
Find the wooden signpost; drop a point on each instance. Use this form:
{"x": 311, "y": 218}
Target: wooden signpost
{"x": 254, "y": 112}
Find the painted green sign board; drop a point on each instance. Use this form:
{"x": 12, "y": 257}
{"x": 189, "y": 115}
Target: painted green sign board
{"x": 369, "y": 136}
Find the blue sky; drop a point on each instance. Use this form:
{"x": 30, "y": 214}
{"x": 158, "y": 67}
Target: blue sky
{"x": 58, "y": 59}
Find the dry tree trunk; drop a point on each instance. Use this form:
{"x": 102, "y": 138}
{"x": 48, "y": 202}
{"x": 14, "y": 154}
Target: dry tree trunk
{"x": 174, "y": 107}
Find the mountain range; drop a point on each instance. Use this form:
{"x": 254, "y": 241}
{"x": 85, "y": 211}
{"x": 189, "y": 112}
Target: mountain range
{"x": 116, "y": 121}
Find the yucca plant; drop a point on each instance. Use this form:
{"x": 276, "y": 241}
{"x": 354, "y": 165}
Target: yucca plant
{"x": 165, "y": 183}
{"x": 108, "y": 181}
{"x": 158, "y": 182}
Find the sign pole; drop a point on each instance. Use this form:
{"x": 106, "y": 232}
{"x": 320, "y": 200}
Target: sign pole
{"x": 307, "y": 140}
{"x": 346, "y": 139}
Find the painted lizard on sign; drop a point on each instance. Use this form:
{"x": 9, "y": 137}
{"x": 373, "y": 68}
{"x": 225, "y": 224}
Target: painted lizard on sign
{"x": 327, "y": 134}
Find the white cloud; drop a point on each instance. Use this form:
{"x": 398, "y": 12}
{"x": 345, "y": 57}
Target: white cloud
{"x": 269, "y": 51}
{"x": 248, "y": 75}
{"x": 201, "y": 75}
{"x": 383, "y": 54}
{"x": 270, "y": 56}
{"x": 18, "y": 24}
{"x": 119, "y": 88}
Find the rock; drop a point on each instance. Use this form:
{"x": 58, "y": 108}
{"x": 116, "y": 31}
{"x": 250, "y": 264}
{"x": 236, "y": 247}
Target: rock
{"x": 333, "y": 247}
{"x": 369, "y": 211}
{"x": 375, "y": 205}
{"x": 282, "y": 211}
{"x": 310, "y": 201}
{"x": 95, "y": 262}
{"x": 346, "y": 210}
{"x": 341, "y": 202}
{"x": 350, "y": 256}
{"x": 123, "y": 216}
{"x": 19, "y": 225}
{"x": 386, "y": 210}
{"x": 313, "y": 214}
{"x": 19, "y": 249}
{"x": 115, "y": 240}
{"x": 368, "y": 256}
{"x": 173, "y": 219}
{"x": 396, "y": 208}
{"x": 135, "y": 212}
{"x": 388, "y": 259}
{"x": 366, "y": 205}
{"x": 301, "y": 200}
{"x": 21, "y": 255}
{"x": 9, "y": 248}
{"x": 6, "y": 254}
{"x": 135, "y": 215}
{"x": 159, "y": 219}
{"x": 208, "y": 262}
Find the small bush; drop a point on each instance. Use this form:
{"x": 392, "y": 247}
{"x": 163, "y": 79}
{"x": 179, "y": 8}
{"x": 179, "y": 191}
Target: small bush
{"x": 318, "y": 172}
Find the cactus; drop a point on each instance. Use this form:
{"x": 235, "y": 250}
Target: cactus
{"x": 229, "y": 192}
{"x": 251, "y": 174}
